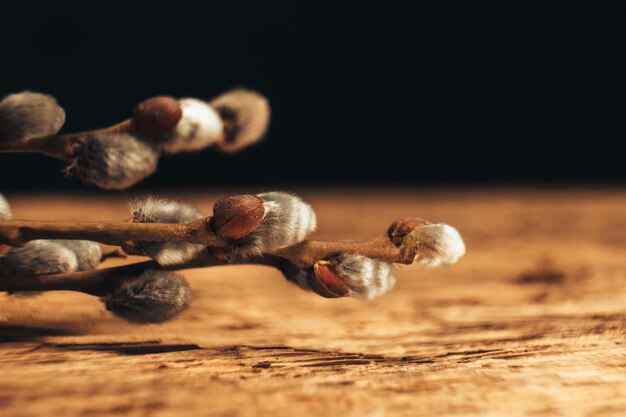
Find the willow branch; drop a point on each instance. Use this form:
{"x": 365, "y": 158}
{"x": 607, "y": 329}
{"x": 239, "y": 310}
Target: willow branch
{"x": 304, "y": 254}
{"x": 62, "y": 146}
{"x": 99, "y": 282}
{"x": 308, "y": 252}
{"x": 95, "y": 282}
{"x": 18, "y": 232}
{"x": 310, "y": 264}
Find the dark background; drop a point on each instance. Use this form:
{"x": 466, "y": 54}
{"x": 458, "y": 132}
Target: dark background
{"x": 452, "y": 92}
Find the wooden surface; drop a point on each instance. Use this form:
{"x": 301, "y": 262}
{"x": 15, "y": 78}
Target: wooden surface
{"x": 530, "y": 322}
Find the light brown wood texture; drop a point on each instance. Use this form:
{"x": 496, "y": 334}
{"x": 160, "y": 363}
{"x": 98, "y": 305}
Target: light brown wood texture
{"x": 530, "y": 322}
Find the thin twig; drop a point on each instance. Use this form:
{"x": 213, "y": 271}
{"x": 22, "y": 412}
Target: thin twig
{"x": 303, "y": 254}
{"x": 99, "y": 282}
{"x": 306, "y": 253}
{"x": 94, "y": 282}
{"x": 63, "y": 146}
{"x": 18, "y": 232}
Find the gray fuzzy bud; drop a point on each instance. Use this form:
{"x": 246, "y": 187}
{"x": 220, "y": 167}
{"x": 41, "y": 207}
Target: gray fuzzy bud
{"x": 5, "y": 209}
{"x": 88, "y": 253}
{"x": 246, "y": 115}
{"x": 155, "y": 210}
{"x": 154, "y": 297}
{"x": 28, "y": 115}
{"x": 366, "y": 278}
{"x": 38, "y": 257}
{"x": 114, "y": 161}
{"x": 288, "y": 220}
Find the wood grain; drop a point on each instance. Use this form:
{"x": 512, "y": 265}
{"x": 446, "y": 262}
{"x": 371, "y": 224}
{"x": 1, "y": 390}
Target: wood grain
{"x": 530, "y": 322}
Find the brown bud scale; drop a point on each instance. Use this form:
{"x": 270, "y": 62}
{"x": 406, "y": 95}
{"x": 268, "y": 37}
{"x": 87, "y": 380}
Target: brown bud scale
{"x": 4, "y": 249}
{"x": 157, "y": 116}
{"x": 237, "y": 216}
{"x": 402, "y": 227}
{"x": 325, "y": 281}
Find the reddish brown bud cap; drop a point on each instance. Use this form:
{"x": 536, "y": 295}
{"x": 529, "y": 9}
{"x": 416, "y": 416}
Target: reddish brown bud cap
{"x": 158, "y": 115}
{"x": 402, "y": 227}
{"x": 326, "y": 281}
{"x": 4, "y": 249}
{"x": 237, "y": 216}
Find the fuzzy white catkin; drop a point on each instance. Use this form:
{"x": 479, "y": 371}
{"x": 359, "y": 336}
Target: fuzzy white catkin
{"x": 288, "y": 220}
{"x": 5, "y": 209}
{"x": 199, "y": 128}
{"x": 39, "y": 257}
{"x": 156, "y": 210}
{"x": 114, "y": 161}
{"x": 366, "y": 278}
{"x": 48, "y": 256}
{"x": 437, "y": 245}
{"x": 249, "y": 110}
{"x": 88, "y": 253}
{"x": 28, "y": 115}
{"x": 154, "y": 297}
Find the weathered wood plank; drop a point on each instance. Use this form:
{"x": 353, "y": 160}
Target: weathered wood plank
{"x": 531, "y": 322}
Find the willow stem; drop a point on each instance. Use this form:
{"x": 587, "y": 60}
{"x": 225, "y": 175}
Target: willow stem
{"x": 62, "y": 146}
{"x": 303, "y": 255}
{"x": 308, "y": 252}
{"x": 18, "y": 232}
{"x": 95, "y": 282}
{"x": 99, "y": 282}
{"x": 59, "y": 148}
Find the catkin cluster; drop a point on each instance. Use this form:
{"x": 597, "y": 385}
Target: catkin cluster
{"x": 267, "y": 228}
{"x": 120, "y": 156}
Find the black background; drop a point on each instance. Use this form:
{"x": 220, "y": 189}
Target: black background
{"x": 449, "y": 92}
